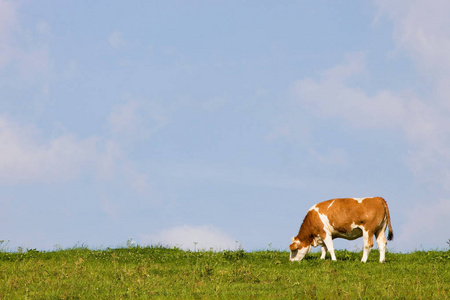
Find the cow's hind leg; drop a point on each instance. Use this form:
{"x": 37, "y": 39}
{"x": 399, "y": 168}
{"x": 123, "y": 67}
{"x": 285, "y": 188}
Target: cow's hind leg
{"x": 368, "y": 244}
{"x": 381, "y": 241}
{"x": 329, "y": 245}
{"x": 324, "y": 251}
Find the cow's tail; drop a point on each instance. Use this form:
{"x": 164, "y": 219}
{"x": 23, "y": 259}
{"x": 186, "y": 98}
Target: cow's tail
{"x": 391, "y": 232}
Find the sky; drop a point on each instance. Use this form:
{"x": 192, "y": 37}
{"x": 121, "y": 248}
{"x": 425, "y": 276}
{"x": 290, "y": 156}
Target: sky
{"x": 211, "y": 124}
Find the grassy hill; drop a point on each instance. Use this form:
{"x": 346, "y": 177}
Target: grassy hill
{"x": 158, "y": 272}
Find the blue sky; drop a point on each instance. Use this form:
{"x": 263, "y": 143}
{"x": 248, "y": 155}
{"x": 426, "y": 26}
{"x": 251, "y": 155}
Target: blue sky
{"x": 220, "y": 123}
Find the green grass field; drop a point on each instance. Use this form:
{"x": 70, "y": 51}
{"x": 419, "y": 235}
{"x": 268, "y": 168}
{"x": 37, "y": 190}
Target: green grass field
{"x": 158, "y": 272}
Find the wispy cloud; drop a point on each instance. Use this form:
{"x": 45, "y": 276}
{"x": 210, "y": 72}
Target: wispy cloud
{"x": 192, "y": 238}
{"x": 423, "y": 32}
{"x": 24, "y": 51}
{"x": 422, "y": 29}
{"x": 332, "y": 95}
{"x": 137, "y": 119}
{"x": 423, "y": 123}
{"x": 8, "y": 22}
{"x": 27, "y": 157}
{"x": 116, "y": 40}
{"x": 228, "y": 173}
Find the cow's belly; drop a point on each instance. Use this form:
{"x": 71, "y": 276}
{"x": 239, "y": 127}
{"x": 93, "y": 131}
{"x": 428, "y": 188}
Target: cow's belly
{"x": 348, "y": 235}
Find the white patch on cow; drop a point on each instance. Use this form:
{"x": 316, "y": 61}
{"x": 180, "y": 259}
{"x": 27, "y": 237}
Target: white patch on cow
{"x": 297, "y": 255}
{"x": 313, "y": 208}
{"x": 326, "y": 223}
{"x": 328, "y": 228}
{"x": 360, "y": 200}
{"x": 330, "y": 204}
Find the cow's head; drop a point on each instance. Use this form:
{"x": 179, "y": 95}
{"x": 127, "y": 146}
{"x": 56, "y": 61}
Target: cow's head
{"x": 298, "y": 249}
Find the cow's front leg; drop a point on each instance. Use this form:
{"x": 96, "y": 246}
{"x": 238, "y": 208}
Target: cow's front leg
{"x": 329, "y": 245}
{"x": 324, "y": 251}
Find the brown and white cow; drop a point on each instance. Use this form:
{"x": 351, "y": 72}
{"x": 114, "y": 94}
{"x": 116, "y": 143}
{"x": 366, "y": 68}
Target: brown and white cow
{"x": 348, "y": 218}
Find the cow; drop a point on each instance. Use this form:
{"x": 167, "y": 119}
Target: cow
{"x": 348, "y": 218}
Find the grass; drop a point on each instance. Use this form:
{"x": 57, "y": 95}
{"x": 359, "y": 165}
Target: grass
{"x": 157, "y": 272}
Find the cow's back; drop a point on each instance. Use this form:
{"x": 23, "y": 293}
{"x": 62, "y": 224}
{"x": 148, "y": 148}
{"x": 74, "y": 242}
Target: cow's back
{"x": 344, "y": 213}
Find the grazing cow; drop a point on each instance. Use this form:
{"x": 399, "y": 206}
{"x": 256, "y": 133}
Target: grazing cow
{"x": 348, "y": 218}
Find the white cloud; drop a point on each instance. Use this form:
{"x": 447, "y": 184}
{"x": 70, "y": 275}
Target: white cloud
{"x": 192, "y": 238}
{"x": 26, "y": 157}
{"x": 136, "y": 119}
{"x": 8, "y": 22}
{"x": 331, "y": 96}
{"x": 116, "y": 40}
{"x": 24, "y": 51}
{"x": 125, "y": 118}
{"x": 34, "y": 64}
{"x": 424, "y": 124}
{"x": 7, "y": 15}
{"x": 422, "y": 28}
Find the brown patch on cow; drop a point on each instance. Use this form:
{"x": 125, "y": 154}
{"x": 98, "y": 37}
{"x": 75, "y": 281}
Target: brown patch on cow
{"x": 293, "y": 246}
{"x": 311, "y": 227}
{"x": 341, "y": 229}
{"x": 344, "y": 212}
